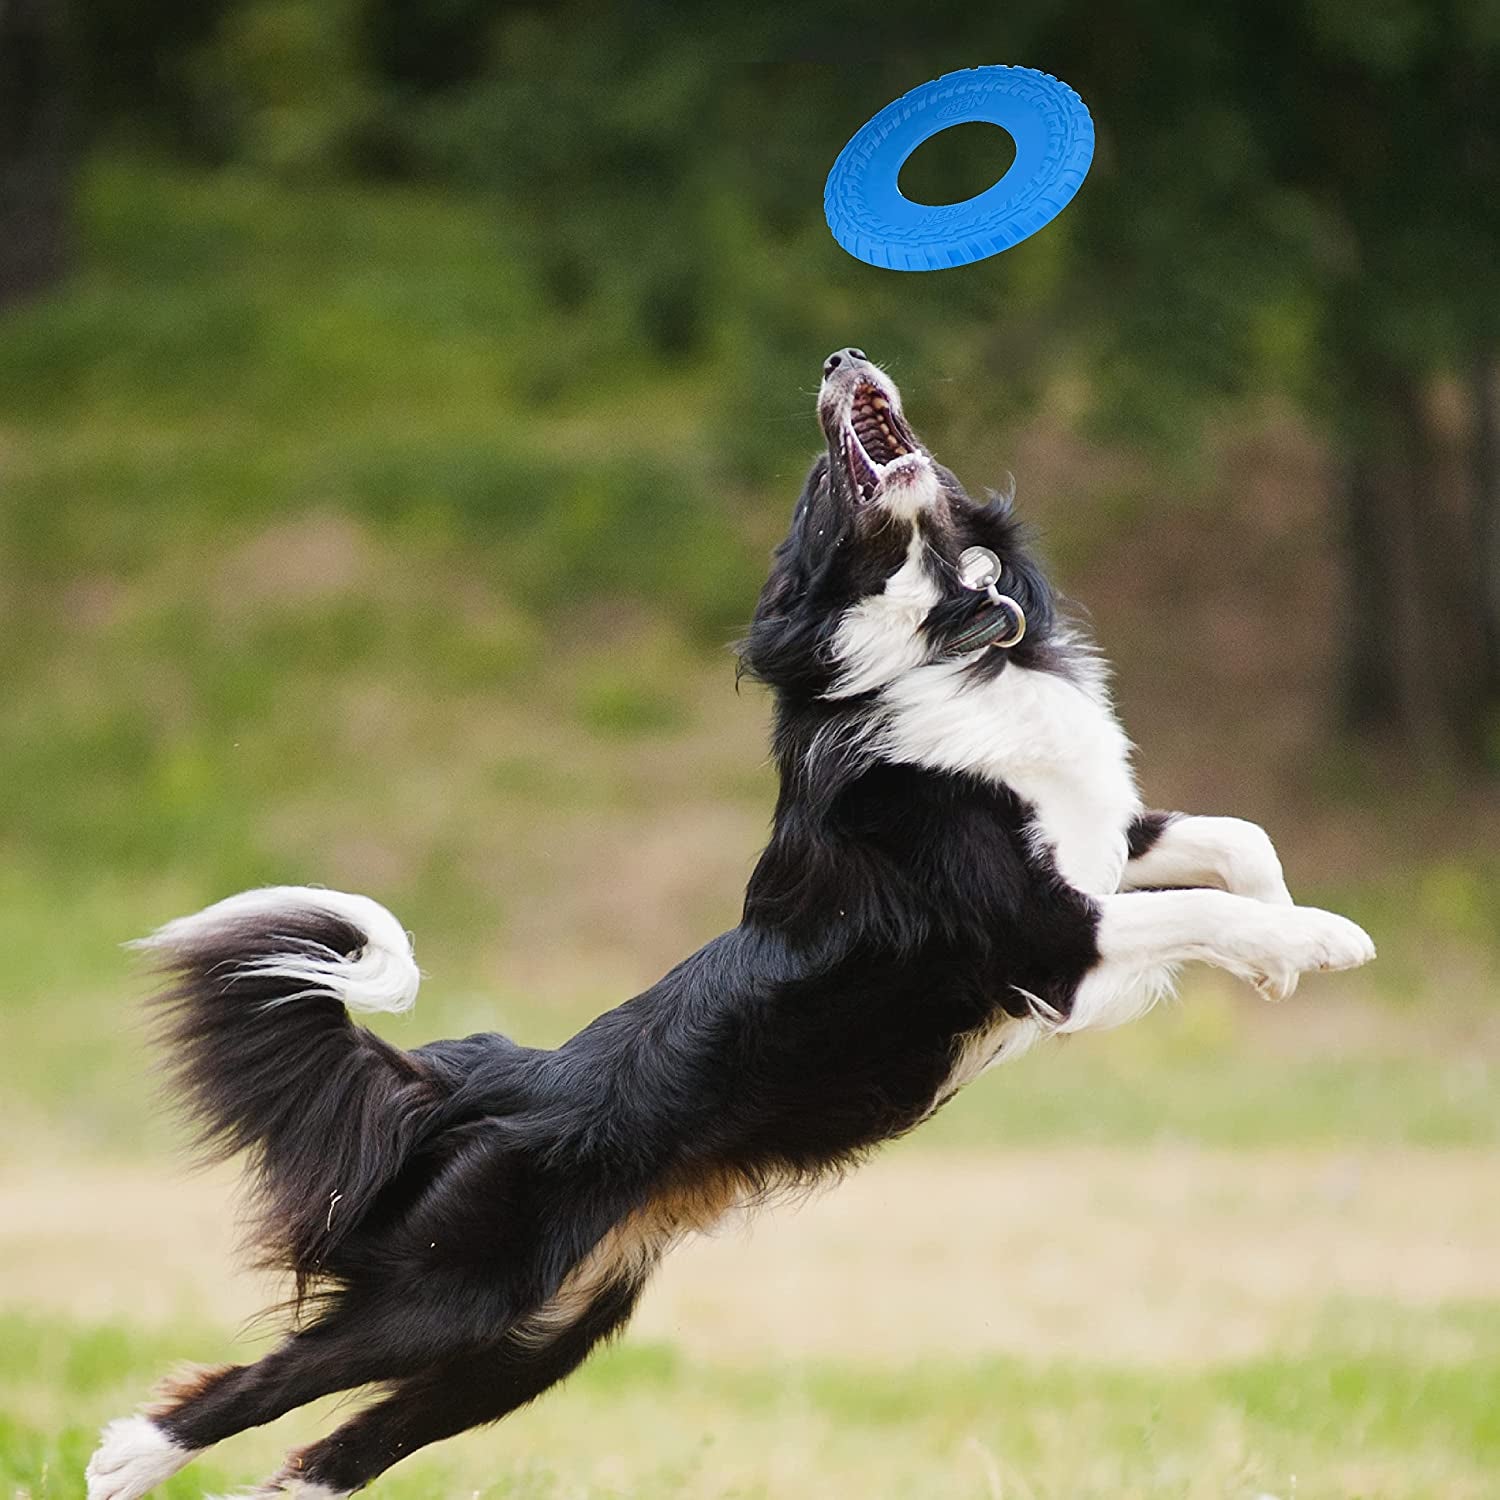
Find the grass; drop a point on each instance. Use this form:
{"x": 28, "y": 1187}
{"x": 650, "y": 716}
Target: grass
{"x": 1352, "y": 1419}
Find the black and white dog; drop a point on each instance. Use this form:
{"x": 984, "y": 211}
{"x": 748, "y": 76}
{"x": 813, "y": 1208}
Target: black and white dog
{"x": 960, "y": 864}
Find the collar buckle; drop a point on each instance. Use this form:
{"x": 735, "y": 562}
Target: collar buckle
{"x": 979, "y": 572}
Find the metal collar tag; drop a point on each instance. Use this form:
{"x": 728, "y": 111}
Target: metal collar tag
{"x": 979, "y": 572}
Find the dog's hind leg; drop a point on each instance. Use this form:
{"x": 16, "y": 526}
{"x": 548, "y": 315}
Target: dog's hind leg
{"x": 467, "y": 1390}
{"x": 197, "y": 1408}
{"x": 355, "y": 1344}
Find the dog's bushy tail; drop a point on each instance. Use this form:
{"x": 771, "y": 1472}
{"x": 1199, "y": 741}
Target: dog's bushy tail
{"x": 265, "y": 1059}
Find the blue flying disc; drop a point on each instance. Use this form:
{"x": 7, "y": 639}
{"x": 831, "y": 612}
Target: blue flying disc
{"x": 1054, "y": 139}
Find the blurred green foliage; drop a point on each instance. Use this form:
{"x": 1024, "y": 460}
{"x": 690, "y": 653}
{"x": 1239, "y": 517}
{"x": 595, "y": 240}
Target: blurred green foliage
{"x": 418, "y": 347}
{"x": 1260, "y": 165}
{"x": 1291, "y": 197}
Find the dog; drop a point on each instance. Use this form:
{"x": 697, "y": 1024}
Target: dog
{"x": 960, "y": 864}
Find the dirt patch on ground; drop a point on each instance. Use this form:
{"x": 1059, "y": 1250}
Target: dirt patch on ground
{"x": 1174, "y": 1255}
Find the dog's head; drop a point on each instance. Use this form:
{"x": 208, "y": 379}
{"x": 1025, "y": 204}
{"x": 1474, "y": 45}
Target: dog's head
{"x": 866, "y": 588}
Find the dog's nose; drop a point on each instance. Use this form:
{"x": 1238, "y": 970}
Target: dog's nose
{"x": 844, "y": 356}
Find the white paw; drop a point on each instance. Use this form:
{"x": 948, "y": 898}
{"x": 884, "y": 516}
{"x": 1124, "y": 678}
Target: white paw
{"x": 1329, "y": 941}
{"x": 133, "y": 1457}
{"x": 1307, "y": 938}
{"x": 285, "y": 1486}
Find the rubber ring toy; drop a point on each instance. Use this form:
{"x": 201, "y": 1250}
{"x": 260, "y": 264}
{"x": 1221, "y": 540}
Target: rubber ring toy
{"x": 1054, "y": 138}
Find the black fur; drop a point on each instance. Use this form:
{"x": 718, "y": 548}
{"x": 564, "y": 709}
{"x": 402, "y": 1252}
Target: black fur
{"x": 317, "y": 1103}
{"x": 1144, "y": 833}
{"x": 435, "y": 1201}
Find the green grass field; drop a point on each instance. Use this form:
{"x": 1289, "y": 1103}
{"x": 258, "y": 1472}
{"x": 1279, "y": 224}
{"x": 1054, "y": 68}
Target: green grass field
{"x": 1381, "y": 1418}
{"x": 316, "y": 566}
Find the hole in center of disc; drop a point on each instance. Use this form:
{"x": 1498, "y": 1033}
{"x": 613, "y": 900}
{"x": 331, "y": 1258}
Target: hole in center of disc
{"x": 956, "y": 164}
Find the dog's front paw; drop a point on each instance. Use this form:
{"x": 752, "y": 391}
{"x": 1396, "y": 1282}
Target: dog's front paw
{"x": 1333, "y": 942}
{"x": 1310, "y": 939}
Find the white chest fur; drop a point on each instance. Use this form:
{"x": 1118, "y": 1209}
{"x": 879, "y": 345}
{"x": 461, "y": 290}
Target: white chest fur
{"x": 1054, "y": 741}
{"x": 1056, "y": 744}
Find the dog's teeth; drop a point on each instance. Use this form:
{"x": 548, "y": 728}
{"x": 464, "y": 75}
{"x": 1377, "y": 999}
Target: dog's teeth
{"x": 874, "y": 439}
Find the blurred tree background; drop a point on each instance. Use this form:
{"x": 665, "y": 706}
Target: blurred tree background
{"x": 364, "y": 362}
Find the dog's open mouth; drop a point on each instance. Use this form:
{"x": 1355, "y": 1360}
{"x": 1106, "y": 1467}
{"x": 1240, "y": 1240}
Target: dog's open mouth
{"x": 877, "y": 440}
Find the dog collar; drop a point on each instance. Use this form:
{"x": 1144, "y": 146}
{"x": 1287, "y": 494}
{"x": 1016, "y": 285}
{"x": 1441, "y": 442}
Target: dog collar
{"x": 1004, "y": 624}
